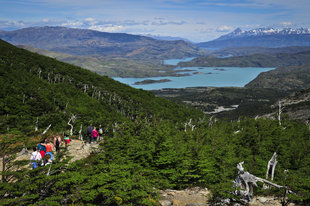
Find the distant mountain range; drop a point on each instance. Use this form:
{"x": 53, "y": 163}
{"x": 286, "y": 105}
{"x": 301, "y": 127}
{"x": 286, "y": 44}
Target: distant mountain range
{"x": 94, "y": 43}
{"x": 168, "y": 38}
{"x": 262, "y": 37}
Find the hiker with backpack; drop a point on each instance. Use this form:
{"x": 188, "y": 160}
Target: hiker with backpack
{"x": 42, "y": 148}
{"x": 88, "y": 133}
{"x": 35, "y": 158}
{"x": 48, "y": 146}
{"x": 94, "y": 135}
{"x": 66, "y": 140}
{"x": 57, "y": 142}
{"x": 100, "y": 131}
{"x": 48, "y": 159}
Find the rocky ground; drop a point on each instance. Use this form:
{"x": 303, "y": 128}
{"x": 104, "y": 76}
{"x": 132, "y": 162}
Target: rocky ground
{"x": 199, "y": 197}
{"x": 77, "y": 149}
{"x": 189, "y": 197}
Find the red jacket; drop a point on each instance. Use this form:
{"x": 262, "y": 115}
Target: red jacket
{"x": 94, "y": 133}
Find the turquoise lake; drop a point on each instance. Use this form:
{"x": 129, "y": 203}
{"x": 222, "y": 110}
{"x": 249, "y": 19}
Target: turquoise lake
{"x": 200, "y": 77}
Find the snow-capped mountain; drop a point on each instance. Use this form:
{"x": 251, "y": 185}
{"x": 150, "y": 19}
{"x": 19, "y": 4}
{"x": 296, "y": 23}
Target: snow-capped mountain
{"x": 264, "y": 31}
{"x": 261, "y": 37}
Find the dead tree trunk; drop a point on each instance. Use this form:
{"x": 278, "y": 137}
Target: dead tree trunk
{"x": 36, "y": 127}
{"x": 246, "y": 181}
{"x": 47, "y": 129}
{"x": 271, "y": 166}
{"x": 72, "y": 119}
{"x": 80, "y": 133}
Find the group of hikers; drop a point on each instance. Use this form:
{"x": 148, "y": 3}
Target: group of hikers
{"x": 43, "y": 153}
{"x": 92, "y": 135}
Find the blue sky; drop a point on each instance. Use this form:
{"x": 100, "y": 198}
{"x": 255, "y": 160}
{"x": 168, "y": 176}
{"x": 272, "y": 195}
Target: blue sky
{"x": 196, "y": 20}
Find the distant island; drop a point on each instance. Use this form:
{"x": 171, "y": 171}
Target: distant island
{"x": 219, "y": 69}
{"x": 151, "y": 81}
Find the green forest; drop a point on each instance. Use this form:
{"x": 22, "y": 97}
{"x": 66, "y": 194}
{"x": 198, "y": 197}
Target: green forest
{"x": 150, "y": 143}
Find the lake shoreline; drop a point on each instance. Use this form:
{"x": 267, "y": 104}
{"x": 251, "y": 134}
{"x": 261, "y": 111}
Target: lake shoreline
{"x": 198, "y": 77}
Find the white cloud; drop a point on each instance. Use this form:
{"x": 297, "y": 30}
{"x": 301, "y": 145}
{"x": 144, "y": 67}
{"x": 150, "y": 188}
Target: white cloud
{"x": 286, "y": 23}
{"x": 117, "y": 28}
{"x": 13, "y": 24}
{"x": 224, "y": 28}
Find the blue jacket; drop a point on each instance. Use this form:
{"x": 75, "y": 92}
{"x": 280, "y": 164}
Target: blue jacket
{"x": 41, "y": 147}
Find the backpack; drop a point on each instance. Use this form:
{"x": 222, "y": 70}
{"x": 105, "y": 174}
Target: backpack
{"x": 57, "y": 142}
{"x": 89, "y": 130}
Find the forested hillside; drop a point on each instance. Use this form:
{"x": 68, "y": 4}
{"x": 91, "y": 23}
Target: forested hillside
{"x": 291, "y": 78}
{"x": 34, "y": 86}
{"x": 149, "y": 143}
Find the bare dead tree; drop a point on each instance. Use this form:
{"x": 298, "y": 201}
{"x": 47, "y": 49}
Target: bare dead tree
{"x": 72, "y": 119}
{"x": 39, "y": 71}
{"x": 99, "y": 94}
{"x": 85, "y": 87}
{"x": 36, "y": 127}
{"x": 47, "y": 129}
{"x": 80, "y": 133}
{"x": 246, "y": 181}
{"x": 190, "y": 125}
{"x": 272, "y": 163}
{"x": 211, "y": 121}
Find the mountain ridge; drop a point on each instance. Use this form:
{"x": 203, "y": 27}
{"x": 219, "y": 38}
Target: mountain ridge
{"x": 263, "y": 37}
{"x": 264, "y": 31}
{"x": 90, "y": 42}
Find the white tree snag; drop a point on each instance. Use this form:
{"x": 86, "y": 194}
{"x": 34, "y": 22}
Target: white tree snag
{"x": 271, "y": 166}
{"x": 210, "y": 121}
{"x": 80, "y": 133}
{"x": 36, "y": 127}
{"x": 99, "y": 94}
{"x": 39, "y": 71}
{"x": 47, "y": 129}
{"x": 189, "y": 123}
{"x": 245, "y": 181}
{"x": 85, "y": 87}
{"x": 72, "y": 119}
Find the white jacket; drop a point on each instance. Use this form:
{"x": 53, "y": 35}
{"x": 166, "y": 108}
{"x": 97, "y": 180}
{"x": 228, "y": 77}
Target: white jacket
{"x": 35, "y": 156}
